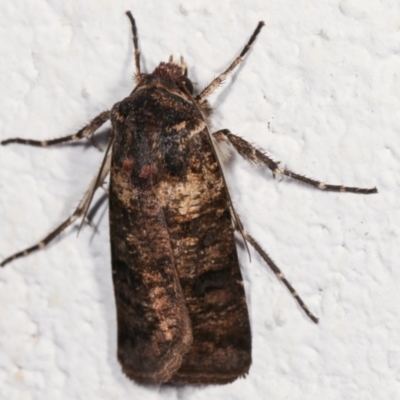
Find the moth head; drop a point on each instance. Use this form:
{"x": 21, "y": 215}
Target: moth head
{"x": 175, "y": 72}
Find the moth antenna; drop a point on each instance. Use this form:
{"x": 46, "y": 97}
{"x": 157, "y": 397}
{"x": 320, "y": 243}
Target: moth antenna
{"x": 217, "y": 81}
{"x": 138, "y": 74}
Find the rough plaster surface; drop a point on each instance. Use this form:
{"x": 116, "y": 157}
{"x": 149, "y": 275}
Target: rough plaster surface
{"x": 320, "y": 91}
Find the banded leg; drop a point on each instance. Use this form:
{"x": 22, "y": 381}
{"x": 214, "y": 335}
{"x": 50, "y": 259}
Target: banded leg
{"x": 79, "y": 211}
{"x": 280, "y": 276}
{"x": 86, "y": 132}
{"x": 138, "y": 75}
{"x": 256, "y": 156}
{"x": 219, "y": 79}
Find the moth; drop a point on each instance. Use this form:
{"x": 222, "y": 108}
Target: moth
{"x": 181, "y": 307}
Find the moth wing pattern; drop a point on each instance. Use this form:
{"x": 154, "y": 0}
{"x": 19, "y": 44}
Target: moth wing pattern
{"x": 154, "y": 329}
{"x": 172, "y": 236}
{"x": 214, "y": 291}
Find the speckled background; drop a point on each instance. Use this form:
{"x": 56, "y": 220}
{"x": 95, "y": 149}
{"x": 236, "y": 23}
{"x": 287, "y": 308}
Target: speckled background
{"x": 320, "y": 91}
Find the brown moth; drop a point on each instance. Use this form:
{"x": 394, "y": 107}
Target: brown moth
{"x": 181, "y": 306}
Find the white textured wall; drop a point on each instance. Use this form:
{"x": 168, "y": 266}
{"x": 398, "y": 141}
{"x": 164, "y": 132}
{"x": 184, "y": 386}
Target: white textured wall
{"x": 320, "y": 91}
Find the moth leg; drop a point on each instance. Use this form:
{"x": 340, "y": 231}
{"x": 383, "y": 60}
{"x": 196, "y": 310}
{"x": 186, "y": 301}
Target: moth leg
{"x": 219, "y": 79}
{"x": 86, "y": 132}
{"x": 256, "y": 156}
{"x": 138, "y": 75}
{"x": 79, "y": 211}
{"x": 280, "y": 276}
{"x": 104, "y": 189}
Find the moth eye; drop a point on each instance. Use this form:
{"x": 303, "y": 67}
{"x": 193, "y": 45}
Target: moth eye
{"x": 187, "y": 83}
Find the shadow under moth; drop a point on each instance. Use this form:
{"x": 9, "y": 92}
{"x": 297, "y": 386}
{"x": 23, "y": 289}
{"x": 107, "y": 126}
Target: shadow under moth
{"x": 181, "y": 307}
